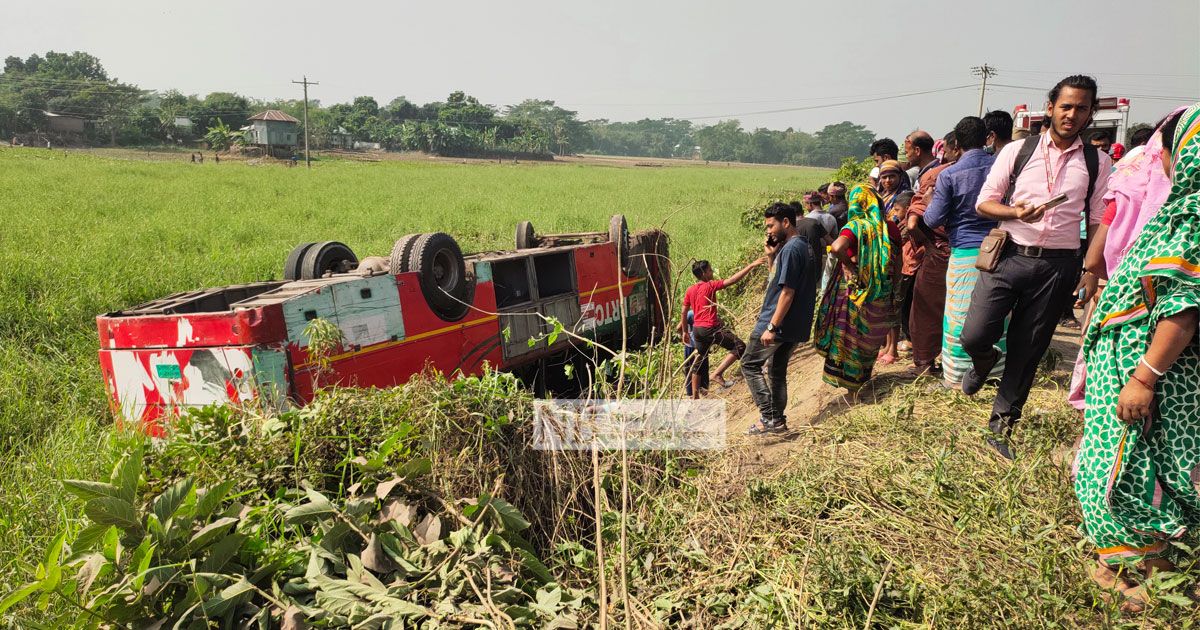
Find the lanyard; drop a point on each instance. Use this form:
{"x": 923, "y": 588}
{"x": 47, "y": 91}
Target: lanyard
{"x": 1049, "y": 168}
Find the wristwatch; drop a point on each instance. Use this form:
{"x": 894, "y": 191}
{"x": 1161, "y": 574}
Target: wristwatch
{"x": 773, "y": 328}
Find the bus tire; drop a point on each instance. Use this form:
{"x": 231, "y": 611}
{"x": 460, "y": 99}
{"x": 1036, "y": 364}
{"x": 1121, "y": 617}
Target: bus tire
{"x": 325, "y": 257}
{"x": 526, "y": 236}
{"x": 443, "y": 277}
{"x": 401, "y": 250}
{"x": 291, "y": 266}
{"x": 618, "y": 232}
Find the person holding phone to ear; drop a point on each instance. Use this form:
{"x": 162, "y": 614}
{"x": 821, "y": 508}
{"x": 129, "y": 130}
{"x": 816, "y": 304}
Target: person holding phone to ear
{"x": 1032, "y": 282}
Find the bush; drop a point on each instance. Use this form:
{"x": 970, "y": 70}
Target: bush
{"x": 341, "y": 513}
{"x": 853, "y": 171}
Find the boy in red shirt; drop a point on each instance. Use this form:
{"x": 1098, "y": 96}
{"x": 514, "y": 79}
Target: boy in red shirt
{"x": 707, "y": 328}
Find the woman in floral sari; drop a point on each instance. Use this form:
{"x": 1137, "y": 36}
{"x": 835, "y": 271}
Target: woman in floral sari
{"x": 856, "y": 311}
{"x": 1139, "y": 460}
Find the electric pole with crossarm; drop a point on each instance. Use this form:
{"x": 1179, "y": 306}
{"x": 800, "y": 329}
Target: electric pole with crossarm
{"x": 305, "y": 82}
{"x": 985, "y": 71}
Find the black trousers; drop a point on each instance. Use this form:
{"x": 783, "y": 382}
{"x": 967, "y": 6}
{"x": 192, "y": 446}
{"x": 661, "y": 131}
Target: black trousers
{"x": 1035, "y": 291}
{"x": 769, "y": 395}
{"x": 706, "y": 338}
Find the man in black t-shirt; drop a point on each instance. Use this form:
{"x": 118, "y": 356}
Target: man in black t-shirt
{"x": 784, "y": 320}
{"x": 814, "y": 234}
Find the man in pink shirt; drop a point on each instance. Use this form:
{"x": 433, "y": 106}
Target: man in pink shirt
{"x": 1042, "y": 262}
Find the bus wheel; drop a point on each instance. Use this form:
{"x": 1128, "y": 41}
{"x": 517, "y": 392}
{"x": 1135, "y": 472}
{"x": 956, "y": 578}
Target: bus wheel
{"x": 526, "y": 237}
{"x": 330, "y": 256}
{"x": 291, "y": 267}
{"x": 443, "y": 275}
{"x": 618, "y": 232}
{"x": 398, "y": 262}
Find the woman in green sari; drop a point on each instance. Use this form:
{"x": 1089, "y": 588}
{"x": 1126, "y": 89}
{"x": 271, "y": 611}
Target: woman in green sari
{"x": 1139, "y": 462}
{"x": 857, "y": 309}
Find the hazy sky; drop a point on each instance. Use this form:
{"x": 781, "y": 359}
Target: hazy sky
{"x": 624, "y": 59}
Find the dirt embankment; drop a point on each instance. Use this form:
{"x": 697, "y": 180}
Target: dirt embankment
{"x": 811, "y": 401}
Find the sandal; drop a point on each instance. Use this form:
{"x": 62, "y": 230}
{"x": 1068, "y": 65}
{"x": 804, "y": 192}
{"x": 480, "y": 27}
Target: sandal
{"x": 1134, "y": 598}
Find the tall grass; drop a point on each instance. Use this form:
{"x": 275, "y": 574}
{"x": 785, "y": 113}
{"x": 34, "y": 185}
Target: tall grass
{"x": 892, "y": 513}
{"x": 83, "y": 235}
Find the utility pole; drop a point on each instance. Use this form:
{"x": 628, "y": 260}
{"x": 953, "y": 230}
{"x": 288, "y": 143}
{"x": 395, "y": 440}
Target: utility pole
{"x": 985, "y": 71}
{"x": 306, "y": 83}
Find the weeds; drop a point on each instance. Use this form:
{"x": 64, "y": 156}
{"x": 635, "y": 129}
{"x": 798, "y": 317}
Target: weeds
{"x": 86, "y": 235}
{"x": 356, "y": 540}
{"x": 890, "y": 514}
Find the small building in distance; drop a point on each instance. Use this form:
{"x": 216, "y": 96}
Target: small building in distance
{"x": 64, "y": 123}
{"x": 274, "y": 131}
{"x": 341, "y": 139}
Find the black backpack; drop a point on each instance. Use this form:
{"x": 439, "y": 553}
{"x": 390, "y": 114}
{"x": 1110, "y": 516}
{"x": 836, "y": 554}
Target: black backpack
{"x": 1091, "y": 157}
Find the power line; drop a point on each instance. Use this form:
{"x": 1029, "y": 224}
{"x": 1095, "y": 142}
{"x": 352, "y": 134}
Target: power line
{"x": 806, "y": 99}
{"x": 76, "y": 110}
{"x": 70, "y": 91}
{"x": 1111, "y": 74}
{"x": 1161, "y": 97}
{"x": 827, "y": 105}
{"x": 51, "y": 80}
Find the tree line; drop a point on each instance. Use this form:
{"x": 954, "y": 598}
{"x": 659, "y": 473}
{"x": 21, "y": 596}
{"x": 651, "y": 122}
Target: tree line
{"x": 118, "y": 113}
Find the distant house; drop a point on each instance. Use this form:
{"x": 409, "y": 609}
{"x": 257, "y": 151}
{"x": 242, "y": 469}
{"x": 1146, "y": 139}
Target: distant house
{"x": 273, "y": 130}
{"x": 65, "y": 123}
{"x": 341, "y": 139}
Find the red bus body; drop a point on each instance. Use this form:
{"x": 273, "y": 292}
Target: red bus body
{"x": 247, "y": 344}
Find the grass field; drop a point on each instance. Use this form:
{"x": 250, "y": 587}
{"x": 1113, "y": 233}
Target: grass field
{"x": 888, "y": 513}
{"x": 84, "y": 234}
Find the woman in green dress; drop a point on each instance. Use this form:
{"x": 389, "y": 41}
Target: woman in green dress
{"x": 1139, "y": 462}
{"x": 856, "y": 311}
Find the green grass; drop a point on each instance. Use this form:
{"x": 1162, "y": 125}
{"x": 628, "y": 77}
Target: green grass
{"x": 896, "y": 502}
{"x": 83, "y": 235}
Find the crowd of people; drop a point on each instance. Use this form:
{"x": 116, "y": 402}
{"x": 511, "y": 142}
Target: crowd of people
{"x": 968, "y": 252}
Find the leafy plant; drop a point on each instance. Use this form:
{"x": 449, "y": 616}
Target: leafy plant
{"x": 220, "y": 136}
{"x": 385, "y": 551}
{"x": 853, "y": 171}
{"x": 324, "y": 338}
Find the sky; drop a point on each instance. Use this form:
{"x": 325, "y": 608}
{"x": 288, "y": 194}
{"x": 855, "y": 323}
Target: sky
{"x": 768, "y": 64}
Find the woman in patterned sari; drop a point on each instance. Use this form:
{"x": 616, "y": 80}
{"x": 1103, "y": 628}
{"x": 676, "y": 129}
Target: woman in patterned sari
{"x": 857, "y": 309}
{"x": 1139, "y": 461}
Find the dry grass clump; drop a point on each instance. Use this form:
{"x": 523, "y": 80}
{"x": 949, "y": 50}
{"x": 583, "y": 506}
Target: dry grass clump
{"x": 892, "y": 514}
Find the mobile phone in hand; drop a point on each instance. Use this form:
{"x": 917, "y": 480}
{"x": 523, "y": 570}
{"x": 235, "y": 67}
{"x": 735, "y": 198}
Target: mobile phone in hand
{"x": 1058, "y": 200}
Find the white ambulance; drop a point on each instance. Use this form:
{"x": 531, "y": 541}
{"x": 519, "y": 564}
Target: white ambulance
{"x": 1112, "y": 116}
